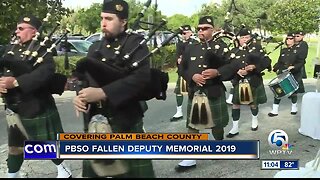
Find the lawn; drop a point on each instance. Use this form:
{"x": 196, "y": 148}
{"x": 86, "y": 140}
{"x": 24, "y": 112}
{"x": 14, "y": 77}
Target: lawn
{"x": 274, "y": 57}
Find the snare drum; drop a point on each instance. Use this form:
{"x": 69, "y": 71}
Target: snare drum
{"x": 283, "y": 85}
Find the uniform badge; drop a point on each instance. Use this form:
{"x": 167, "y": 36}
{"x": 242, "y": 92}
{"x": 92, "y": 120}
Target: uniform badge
{"x": 26, "y": 19}
{"x": 119, "y": 7}
{"x": 217, "y": 46}
{"x": 193, "y": 58}
{"x": 279, "y": 90}
{"x": 233, "y": 55}
{"x": 209, "y": 20}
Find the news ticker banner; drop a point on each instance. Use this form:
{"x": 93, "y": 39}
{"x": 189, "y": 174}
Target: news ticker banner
{"x": 274, "y": 164}
{"x": 140, "y": 146}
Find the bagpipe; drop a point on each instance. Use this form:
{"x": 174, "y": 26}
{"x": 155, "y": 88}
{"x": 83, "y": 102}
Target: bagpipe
{"x": 32, "y": 58}
{"x": 92, "y": 69}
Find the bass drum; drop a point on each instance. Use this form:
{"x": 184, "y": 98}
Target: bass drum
{"x": 228, "y": 38}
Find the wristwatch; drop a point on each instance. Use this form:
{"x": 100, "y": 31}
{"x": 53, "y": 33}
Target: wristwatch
{"x": 15, "y": 83}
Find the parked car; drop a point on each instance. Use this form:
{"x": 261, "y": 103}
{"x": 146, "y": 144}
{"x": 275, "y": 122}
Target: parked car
{"x": 94, "y": 37}
{"x": 75, "y": 47}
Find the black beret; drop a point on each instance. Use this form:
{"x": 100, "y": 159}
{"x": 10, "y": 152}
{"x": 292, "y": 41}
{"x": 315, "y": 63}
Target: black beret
{"x": 186, "y": 28}
{"x": 244, "y": 32}
{"x": 206, "y": 20}
{"x": 118, "y": 7}
{"x": 30, "y": 19}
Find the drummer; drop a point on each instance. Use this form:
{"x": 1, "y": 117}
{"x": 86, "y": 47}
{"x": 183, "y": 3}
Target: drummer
{"x": 289, "y": 60}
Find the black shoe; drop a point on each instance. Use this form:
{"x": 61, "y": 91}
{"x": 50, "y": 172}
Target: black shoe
{"x": 176, "y": 118}
{"x": 272, "y": 115}
{"x": 294, "y": 113}
{"x": 254, "y": 129}
{"x": 232, "y": 135}
{"x": 184, "y": 168}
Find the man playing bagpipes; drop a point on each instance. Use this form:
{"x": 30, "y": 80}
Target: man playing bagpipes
{"x": 181, "y": 87}
{"x": 206, "y": 104}
{"x": 246, "y": 63}
{"x": 117, "y": 99}
{"x": 31, "y": 111}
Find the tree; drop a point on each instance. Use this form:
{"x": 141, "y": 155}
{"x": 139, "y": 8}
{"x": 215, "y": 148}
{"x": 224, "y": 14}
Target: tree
{"x": 294, "y": 15}
{"x": 12, "y": 10}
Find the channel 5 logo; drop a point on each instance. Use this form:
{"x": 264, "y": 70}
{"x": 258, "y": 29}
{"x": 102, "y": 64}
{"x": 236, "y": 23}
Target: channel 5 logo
{"x": 278, "y": 139}
{"x": 40, "y": 150}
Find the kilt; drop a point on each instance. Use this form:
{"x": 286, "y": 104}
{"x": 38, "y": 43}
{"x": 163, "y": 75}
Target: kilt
{"x": 43, "y": 127}
{"x": 138, "y": 168}
{"x": 258, "y": 94}
{"x": 218, "y": 108}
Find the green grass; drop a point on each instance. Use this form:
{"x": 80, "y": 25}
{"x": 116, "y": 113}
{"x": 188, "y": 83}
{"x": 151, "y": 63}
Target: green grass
{"x": 274, "y": 57}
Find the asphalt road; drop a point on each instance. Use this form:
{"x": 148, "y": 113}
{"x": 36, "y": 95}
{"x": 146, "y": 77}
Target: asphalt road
{"x": 157, "y": 120}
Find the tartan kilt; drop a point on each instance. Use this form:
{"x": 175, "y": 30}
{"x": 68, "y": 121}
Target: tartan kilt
{"x": 44, "y": 126}
{"x": 218, "y": 108}
{"x": 138, "y": 168}
{"x": 258, "y": 94}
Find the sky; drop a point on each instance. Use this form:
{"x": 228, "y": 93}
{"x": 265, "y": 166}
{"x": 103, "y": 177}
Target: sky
{"x": 167, "y": 7}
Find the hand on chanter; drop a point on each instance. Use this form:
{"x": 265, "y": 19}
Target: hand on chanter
{"x": 92, "y": 95}
{"x": 80, "y": 106}
{"x": 7, "y": 83}
{"x": 210, "y": 73}
{"x": 250, "y": 67}
{"x": 242, "y": 72}
{"x": 198, "y": 79}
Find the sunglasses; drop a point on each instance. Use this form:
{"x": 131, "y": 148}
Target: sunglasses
{"x": 23, "y": 28}
{"x": 289, "y": 38}
{"x": 203, "y": 28}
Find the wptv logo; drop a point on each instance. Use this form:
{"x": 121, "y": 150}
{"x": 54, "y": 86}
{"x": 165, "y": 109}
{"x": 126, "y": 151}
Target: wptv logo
{"x": 279, "y": 141}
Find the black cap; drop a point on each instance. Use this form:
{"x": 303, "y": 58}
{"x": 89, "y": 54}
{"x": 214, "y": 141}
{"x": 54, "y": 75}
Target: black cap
{"x": 244, "y": 32}
{"x": 118, "y": 7}
{"x": 186, "y": 28}
{"x": 299, "y": 32}
{"x": 206, "y": 20}
{"x": 30, "y": 19}
{"x": 290, "y": 34}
